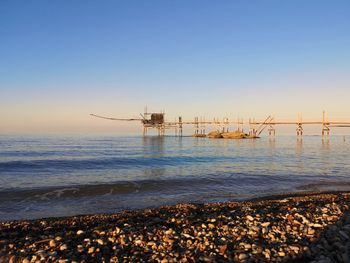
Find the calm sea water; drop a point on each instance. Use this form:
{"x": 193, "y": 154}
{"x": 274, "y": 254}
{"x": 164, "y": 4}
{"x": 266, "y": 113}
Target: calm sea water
{"x": 63, "y": 176}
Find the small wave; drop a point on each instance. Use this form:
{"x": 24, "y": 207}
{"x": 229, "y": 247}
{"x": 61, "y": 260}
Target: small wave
{"x": 57, "y": 193}
{"x": 325, "y": 186}
{"x": 189, "y": 185}
{"x": 110, "y": 163}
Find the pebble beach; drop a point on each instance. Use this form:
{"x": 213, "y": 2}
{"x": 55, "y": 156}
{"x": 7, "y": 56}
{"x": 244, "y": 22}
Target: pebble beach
{"x": 300, "y": 228}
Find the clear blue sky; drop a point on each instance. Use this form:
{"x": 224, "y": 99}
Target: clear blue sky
{"x": 61, "y": 60}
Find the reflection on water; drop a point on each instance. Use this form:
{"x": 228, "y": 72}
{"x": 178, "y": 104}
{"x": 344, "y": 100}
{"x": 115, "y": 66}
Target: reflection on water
{"x": 299, "y": 142}
{"x": 299, "y": 152}
{"x": 325, "y": 141}
{"x": 57, "y": 176}
{"x": 153, "y": 147}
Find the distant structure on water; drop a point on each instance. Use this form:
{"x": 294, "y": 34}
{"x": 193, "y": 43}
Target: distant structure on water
{"x": 156, "y": 120}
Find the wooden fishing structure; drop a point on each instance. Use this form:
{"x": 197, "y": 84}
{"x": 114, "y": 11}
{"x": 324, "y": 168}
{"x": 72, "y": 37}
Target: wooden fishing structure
{"x": 325, "y": 124}
{"x": 156, "y": 120}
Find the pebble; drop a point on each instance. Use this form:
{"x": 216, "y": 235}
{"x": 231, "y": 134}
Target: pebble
{"x": 63, "y": 247}
{"x": 138, "y": 242}
{"x": 169, "y": 232}
{"x": 80, "y": 232}
{"x": 187, "y": 235}
{"x": 211, "y": 226}
{"x": 310, "y": 231}
{"x": 281, "y": 254}
{"x": 99, "y": 241}
{"x": 58, "y": 238}
{"x": 12, "y": 259}
{"x": 267, "y": 255}
{"x": 80, "y": 248}
{"x": 250, "y": 218}
{"x": 52, "y": 243}
{"x": 222, "y": 249}
{"x": 271, "y": 231}
{"x": 247, "y": 246}
{"x": 242, "y": 256}
{"x": 117, "y": 230}
{"x": 294, "y": 248}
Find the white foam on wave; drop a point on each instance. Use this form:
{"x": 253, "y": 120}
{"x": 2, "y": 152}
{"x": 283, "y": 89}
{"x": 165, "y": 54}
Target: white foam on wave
{"x": 56, "y": 193}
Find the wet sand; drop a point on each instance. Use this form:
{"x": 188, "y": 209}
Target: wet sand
{"x": 293, "y": 228}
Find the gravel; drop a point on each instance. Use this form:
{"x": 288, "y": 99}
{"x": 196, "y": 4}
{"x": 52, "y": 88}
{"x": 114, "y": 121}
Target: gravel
{"x": 308, "y": 228}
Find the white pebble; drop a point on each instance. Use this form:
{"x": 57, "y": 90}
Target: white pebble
{"x": 63, "y": 247}
{"x": 80, "y": 232}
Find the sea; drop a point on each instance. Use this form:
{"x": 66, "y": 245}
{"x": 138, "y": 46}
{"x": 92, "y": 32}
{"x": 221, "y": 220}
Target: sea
{"x": 54, "y": 176}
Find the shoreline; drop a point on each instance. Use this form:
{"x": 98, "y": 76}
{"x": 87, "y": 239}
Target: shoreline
{"x": 233, "y": 200}
{"x": 288, "y": 227}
